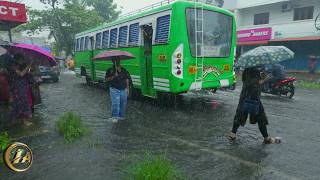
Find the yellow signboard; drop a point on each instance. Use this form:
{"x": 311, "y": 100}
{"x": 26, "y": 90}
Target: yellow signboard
{"x": 226, "y": 68}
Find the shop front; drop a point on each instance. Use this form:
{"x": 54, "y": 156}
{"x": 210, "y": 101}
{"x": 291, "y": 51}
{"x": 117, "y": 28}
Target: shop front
{"x": 303, "y": 47}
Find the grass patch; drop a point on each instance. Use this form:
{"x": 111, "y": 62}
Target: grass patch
{"x": 71, "y": 126}
{"x": 308, "y": 85}
{"x": 154, "y": 168}
{"x": 4, "y": 143}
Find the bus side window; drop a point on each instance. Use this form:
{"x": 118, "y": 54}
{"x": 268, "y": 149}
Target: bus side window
{"x": 134, "y": 34}
{"x": 162, "y": 31}
{"x": 76, "y": 44}
{"x": 98, "y": 41}
{"x": 113, "y": 38}
{"x": 86, "y": 44}
{"x": 123, "y": 36}
{"x": 82, "y": 44}
{"x": 105, "y": 39}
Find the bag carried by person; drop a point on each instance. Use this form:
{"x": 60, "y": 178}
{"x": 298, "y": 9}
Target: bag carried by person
{"x": 251, "y": 106}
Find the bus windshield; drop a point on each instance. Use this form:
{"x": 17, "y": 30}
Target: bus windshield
{"x": 217, "y": 33}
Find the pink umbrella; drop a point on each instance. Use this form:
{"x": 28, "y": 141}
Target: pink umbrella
{"x": 35, "y": 53}
{"x": 114, "y": 54}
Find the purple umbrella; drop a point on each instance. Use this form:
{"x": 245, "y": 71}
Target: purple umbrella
{"x": 35, "y": 53}
{"x": 114, "y": 55}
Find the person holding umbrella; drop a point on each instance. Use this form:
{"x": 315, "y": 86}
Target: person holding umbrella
{"x": 250, "y": 104}
{"x": 253, "y": 78}
{"x": 22, "y": 96}
{"x": 119, "y": 81}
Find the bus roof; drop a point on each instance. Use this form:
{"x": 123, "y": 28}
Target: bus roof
{"x": 152, "y": 11}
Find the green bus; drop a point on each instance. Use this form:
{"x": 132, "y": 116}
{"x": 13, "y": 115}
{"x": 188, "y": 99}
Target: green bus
{"x": 179, "y": 46}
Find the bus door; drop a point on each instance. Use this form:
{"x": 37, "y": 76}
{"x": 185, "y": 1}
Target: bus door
{"x": 92, "y": 64}
{"x": 147, "y": 34}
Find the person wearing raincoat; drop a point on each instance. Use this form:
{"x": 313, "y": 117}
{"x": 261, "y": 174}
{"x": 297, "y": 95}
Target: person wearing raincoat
{"x": 253, "y": 79}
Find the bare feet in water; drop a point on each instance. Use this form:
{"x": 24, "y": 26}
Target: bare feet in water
{"x": 27, "y": 123}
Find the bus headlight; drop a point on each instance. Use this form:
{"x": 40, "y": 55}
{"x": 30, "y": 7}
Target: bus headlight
{"x": 177, "y": 62}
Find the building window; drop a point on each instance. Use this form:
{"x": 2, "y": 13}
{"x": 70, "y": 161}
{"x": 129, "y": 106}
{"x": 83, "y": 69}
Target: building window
{"x": 163, "y": 26}
{"x": 105, "y": 39}
{"x": 134, "y": 34}
{"x": 113, "y": 38}
{"x": 123, "y": 36}
{"x": 98, "y": 41}
{"x": 262, "y": 18}
{"x": 303, "y": 13}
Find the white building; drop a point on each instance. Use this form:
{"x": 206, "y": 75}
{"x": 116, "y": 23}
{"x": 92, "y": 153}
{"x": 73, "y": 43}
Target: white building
{"x": 291, "y": 23}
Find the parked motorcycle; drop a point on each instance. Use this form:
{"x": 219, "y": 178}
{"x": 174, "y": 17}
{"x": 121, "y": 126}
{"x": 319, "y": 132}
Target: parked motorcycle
{"x": 283, "y": 87}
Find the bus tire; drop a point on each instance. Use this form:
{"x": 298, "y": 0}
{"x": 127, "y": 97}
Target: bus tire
{"x": 88, "y": 81}
{"x": 214, "y": 90}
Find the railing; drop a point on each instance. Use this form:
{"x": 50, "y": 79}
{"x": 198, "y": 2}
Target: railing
{"x": 159, "y": 4}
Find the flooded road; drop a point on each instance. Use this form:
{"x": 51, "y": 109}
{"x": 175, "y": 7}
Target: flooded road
{"x": 192, "y": 135}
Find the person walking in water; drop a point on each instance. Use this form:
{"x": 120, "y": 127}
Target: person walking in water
{"x": 250, "y": 104}
{"x": 22, "y": 96}
{"x": 119, "y": 84}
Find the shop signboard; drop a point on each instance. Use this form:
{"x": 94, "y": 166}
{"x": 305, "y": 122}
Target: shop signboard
{"x": 11, "y": 12}
{"x": 258, "y": 34}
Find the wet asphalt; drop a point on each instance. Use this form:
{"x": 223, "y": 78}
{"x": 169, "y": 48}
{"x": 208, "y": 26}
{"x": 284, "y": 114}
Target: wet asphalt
{"x": 192, "y": 134}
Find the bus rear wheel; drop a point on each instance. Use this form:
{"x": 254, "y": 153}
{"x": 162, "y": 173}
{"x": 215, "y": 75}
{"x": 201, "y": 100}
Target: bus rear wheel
{"x": 89, "y": 81}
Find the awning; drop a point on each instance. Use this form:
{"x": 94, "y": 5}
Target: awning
{"x": 310, "y": 38}
{"x": 252, "y": 43}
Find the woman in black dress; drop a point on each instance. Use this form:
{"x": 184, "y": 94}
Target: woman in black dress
{"x": 252, "y": 78}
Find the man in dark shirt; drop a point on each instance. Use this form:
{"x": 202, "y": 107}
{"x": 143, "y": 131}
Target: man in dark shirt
{"x": 119, "y": 82}
{"x": 277, "y": 73}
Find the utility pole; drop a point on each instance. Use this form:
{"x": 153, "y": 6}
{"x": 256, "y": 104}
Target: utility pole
{"x": 9, "y": 33}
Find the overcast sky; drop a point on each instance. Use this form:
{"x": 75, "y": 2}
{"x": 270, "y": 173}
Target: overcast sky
{"x": 128, "y": 5}
{"x": 125, "y": 5}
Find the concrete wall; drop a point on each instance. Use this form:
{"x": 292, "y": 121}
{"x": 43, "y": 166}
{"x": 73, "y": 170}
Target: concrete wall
{"x": 251, "y": 3}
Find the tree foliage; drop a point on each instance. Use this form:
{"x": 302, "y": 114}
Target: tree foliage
{"x": 101, "y": 5}
{"x": 65, "y": 18}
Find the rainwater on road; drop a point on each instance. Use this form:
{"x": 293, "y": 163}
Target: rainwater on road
{"x": 192, "y": 134}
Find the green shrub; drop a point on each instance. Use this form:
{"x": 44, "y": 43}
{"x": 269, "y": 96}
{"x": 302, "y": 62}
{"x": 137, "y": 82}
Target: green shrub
{"x": 4, "y": 143}
{"x": 154, "y": 168}
{"x": 308, "y": 85}
{"x": 71, "y": 126}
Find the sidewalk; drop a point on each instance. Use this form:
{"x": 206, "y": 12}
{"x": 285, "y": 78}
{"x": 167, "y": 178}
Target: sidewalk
{"x": 304, "y": 76}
